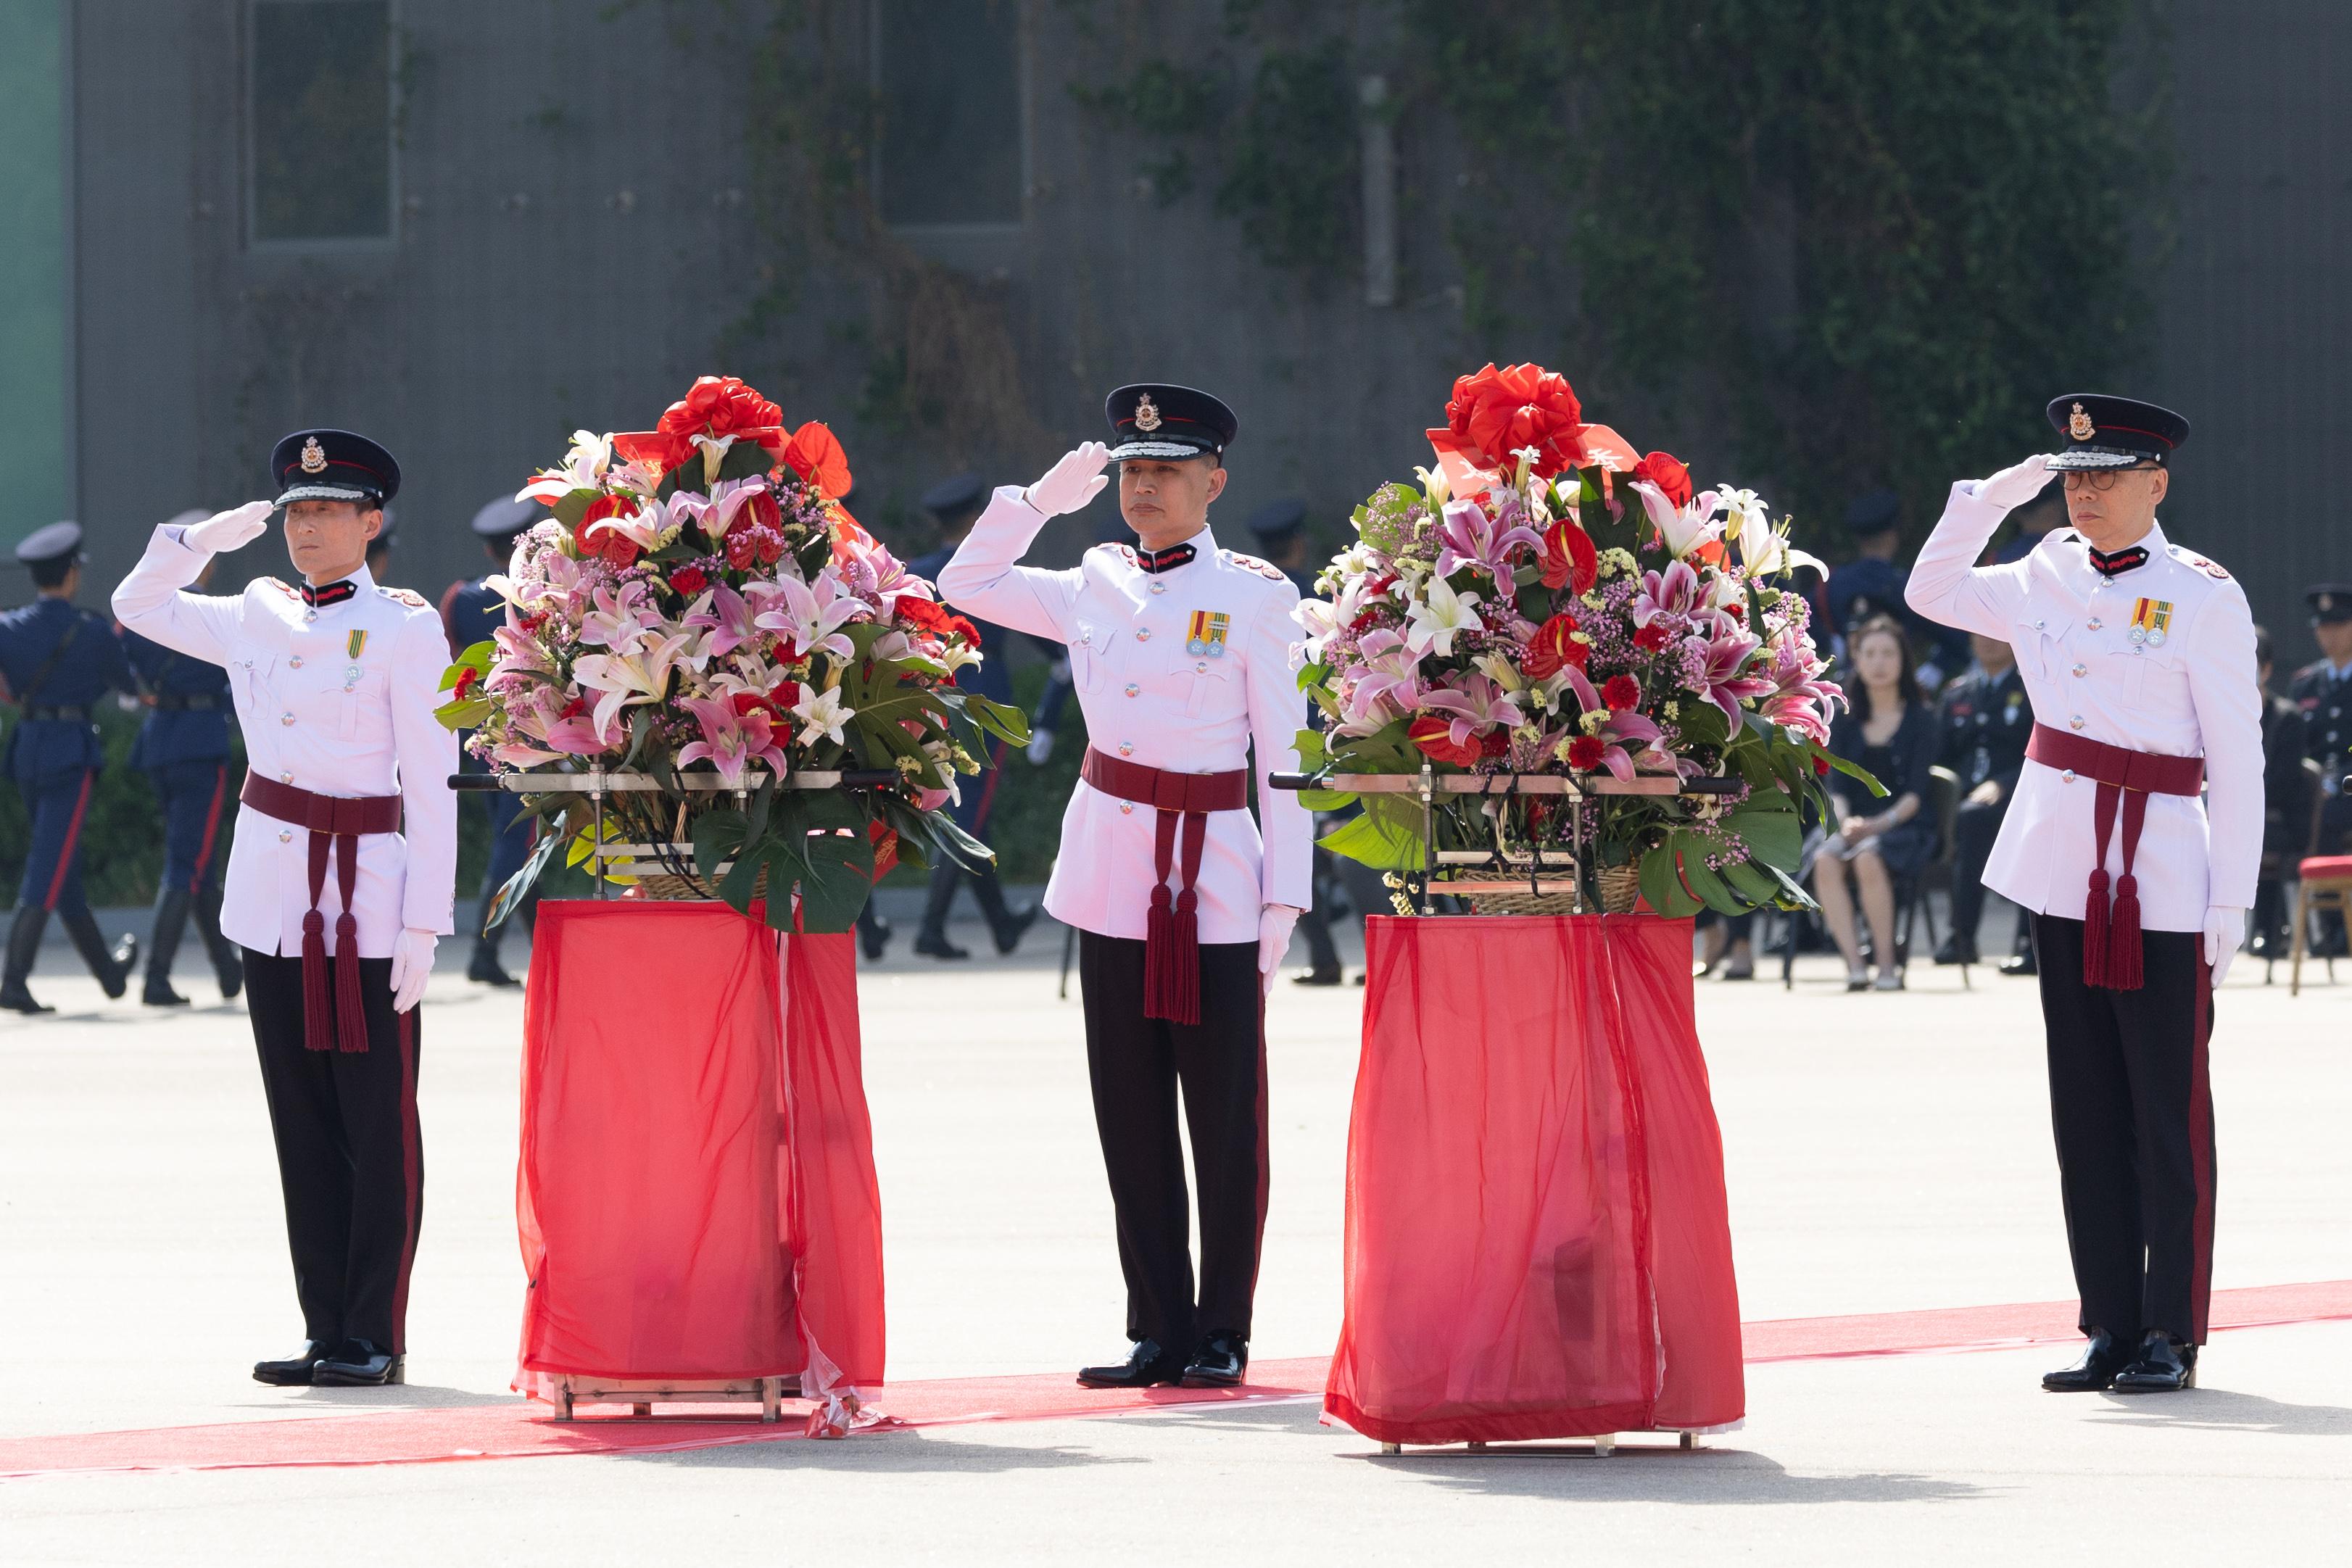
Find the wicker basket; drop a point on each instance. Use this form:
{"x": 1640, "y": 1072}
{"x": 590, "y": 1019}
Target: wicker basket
{"x": 646, "y": 865}
{"x": 1503, "y": 893}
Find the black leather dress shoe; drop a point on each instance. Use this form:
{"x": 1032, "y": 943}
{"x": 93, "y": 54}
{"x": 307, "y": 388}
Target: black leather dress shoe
{"x": 2102, "y": 1359}
{"x": 2023, "y": 966}
{"x": 1218, "y": 1364}
{"x": 939, "y": 948}
{"x": 1017, "y": 925}
{"x": 1145, "y": 1364}
{"x": 294, "y": 1369}
{"x": 357, "y": 1363}
{"x": 484, "y": 969}
{"x": 874, "y": 937}
{"x": 1322, "y": 975}
{"x": 1957, "y": 949}
{"x": 2162, "y": 1366}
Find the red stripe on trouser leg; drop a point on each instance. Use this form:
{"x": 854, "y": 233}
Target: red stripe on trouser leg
{"x": 2200, "y": 1157}
{"x": 412, "y": 1165}
{"x": 212, "y": 829}
{"x": 73, "y": 839}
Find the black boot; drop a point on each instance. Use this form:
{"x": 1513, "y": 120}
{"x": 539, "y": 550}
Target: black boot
{"x": 1008, "y": 926}
{"x": 24, "y": 947}
{"x": 163, "y": 946}
{"x": 112, "y": 966}
{"x": 483, "y": 967}
{"x": 873, "y": 933}
{"x": 931, "y": 941}
{"x": 228, "y": 962}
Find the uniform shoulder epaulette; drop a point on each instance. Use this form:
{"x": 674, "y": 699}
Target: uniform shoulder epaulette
{"x": 1122, "y": 553}
{"x": 403, "y": 596}
{"x": 1251, "y": 563}
{"x": 2210, "y": 568}
{"x": 287, "y": 588}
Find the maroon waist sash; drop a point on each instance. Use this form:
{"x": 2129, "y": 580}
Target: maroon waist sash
{"x": 336, "y": 823}
{"x": 2111, "y": 944}
{"x": 1171, "y": 947}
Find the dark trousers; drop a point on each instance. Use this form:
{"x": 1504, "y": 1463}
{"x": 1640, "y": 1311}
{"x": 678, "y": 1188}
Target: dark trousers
{"x": 1137, "y": 1065}
{"x": 2133, "y": 1111}
{"x": 1974, "y": 828}
{"x": 198, "y": 804}
{"x": 351, "y": 1154}
{"x": 59, "y": 805}
{"x": 1315, "y": 921}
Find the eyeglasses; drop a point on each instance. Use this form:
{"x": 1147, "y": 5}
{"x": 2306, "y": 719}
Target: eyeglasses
{"x": 2105, "y": 478}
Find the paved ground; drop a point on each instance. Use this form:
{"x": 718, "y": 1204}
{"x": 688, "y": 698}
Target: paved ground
{"x": 1885, "y": 1153}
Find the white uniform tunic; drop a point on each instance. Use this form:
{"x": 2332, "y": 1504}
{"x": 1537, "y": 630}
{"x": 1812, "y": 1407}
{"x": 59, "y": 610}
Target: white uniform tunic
{"x": 338, "y": 701}
{"x": 2186, "y": 688}
{"x": 1156, "y": 693}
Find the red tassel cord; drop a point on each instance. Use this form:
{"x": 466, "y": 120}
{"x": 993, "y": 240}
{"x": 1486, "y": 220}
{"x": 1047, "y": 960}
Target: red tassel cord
{"x": 1159, "y": 956}
{"x": 318, "y": 1011}
{"x": 2123, "y": 973}
{"x": 1184, "y": 1001}
{"x": 2095, "y": 930}
{"x": 351, "y": 1014}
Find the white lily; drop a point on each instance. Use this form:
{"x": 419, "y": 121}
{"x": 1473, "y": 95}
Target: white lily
{"x": 1433, "y": 618}
{"x": 1497, "y": 669}
{"x": 627, "y": 679}
{"x": 822, "y": 713}
{"x": 1765, "y": 551}
{"x": 1433, "y": 485}
{"x": 584, "y": 469}
{"x": 1741, "y": 507}
{"x": 714, "y": 453}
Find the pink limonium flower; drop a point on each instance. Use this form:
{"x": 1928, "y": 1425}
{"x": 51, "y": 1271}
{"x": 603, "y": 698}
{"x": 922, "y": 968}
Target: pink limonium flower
{"x": 1468, "y": 537}
{"x": 726, "y": 619}
{"x": 810, "y": 615}
{"x": 1476, "y": 706}
{"x": 1723, "y": 659}
{"x": 1795, "y": 695}
{"x": 1674, "y": 592}
{"x": 732, "y": 741}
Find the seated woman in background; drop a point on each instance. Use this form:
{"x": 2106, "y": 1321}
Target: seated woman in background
{"x": 1891, "y": 732}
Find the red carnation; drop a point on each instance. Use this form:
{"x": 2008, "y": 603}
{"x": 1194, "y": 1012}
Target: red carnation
{"x": 1652, "y": 638}
{"x": 1495, "y": 413}
{"x": 1494, "y": 742}
{"x": 690, "y": 580}
{"x": 1662, "y": 469}
{"x": 467, "y": 679}
{"x": 1622, "y": 692}
{"x": 611, "y": 544}
{"x": 1554, "y": 647}
{"x": 923, "y": 615}
{"x": 1584, "y": 753}
{"x": 1434, "y": 735}
{"x": 964, "y": 629}
{"x": 1569, "y": 558}
{"x": 773, "y": 703}
{"x": 1822, "y": 766}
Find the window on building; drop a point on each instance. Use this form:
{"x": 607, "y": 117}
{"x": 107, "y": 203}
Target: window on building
{"x": 948, "y": 74}
{"x": 321, "y": 119}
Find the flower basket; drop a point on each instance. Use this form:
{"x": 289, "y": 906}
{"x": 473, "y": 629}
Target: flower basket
{"x": 700, "y": 625}
{"x": 1548, "y": 609}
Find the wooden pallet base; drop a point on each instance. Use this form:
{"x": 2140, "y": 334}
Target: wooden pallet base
{"x": 768, "y": 1392}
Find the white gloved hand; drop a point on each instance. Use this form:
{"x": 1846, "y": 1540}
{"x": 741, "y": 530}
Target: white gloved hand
{"x": 1041, "y": 747}
{"x": 2015, "y": 486}
{"x": 412, "y": 965}
{"x": 1274, "y": 921}
{"x": 1073, "y": 482}
{"x": 2224, "y": 929}
{"x": 233, "y": 529}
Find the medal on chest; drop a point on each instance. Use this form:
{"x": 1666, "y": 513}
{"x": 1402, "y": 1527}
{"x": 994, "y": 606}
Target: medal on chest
{"x": 2151, "y": 618}
{"x": 1207, "y": 634}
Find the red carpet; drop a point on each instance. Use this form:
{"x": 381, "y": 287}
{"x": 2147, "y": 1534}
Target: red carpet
{"x": 515, "y": 1429}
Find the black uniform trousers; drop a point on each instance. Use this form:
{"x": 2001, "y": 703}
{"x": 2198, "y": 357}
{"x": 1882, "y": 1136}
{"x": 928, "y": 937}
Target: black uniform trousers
{"x": 1974, "y": 829}
{"x": 2133, "y": 1111}
{"x": 1137, "y": 1065}
{"x": 351, "y": 1154}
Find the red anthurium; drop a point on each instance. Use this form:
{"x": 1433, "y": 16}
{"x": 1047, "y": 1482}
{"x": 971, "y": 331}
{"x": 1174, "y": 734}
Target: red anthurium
{"x": 1554, "y": 647}
{"x": 1434, "y": 735}
{"x": 1569, "y": 558}
{"x": 814, "y": 453}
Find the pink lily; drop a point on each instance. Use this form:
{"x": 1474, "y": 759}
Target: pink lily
{"x": 653, "y": 525}
{"x": 623, "y": 618}
{"x": 626, "y": 680}
{"x": 1468, "y": 537}
{"x": 1724, "y": 657}
{"x": 550, "y": 719}
{"x": 1477, "y": 704}
{"x": 1796, "y": 697}
{"x": 1673, "y": 593}
{"x": 1387, "y": 685}
{"x": 810, "y": 615}
{"x": 726, "y": 617}
{"x": 717, "y": 513}
{"x": 876, "y": 576}
{"x": 1682, "y": 529}
{"x": 732, "y": 741}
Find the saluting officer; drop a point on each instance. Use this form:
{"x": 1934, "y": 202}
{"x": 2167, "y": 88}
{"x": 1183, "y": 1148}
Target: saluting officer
{"x": 2323, "y": 690}
{"x": 335, "y": 684}
{"x": 2138, "y": 658}
{"x": 183, "y": 749}
{"x": 1183, "y": 659}
{"x": 57, "y": 661}
{"x": 470, "y": 612}
{"x": 1986, "y": 720}
{"x": 955, "y": 503}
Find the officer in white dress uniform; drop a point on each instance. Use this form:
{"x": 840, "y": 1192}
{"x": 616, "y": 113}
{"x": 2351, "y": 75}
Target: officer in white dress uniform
{"x": 2138, "y": 657}
{"x": 340, "y": 878}
{"x": 1185, "y": 660}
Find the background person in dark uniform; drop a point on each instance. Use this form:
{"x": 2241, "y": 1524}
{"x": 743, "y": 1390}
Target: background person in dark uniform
{"x": 1872, "y": 584}
{"x": 1280, "y": 529}
{"x": 955, "y": 503}
{"x": 1986, "y": 720}
{"x": 57, "y": 660}
{"x": 2286, "y": 804}
{"x": 2036, "y": 520}
{"x": 183, "y": 749}
{"x": 379, "y": 550}
{"x": 470, "y": 611}
{"x": 2323, "y": 690}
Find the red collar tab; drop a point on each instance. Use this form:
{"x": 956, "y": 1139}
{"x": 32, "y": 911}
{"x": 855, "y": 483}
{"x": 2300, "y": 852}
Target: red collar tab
{"x": 2122, "y": 562}
{"x": 336, "y": 593}
{"x": 1168, "y": 560}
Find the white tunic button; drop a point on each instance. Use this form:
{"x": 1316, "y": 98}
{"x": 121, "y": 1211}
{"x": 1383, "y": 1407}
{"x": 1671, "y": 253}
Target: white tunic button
{"x": 2040, "y": 625}
{"x": 1126, "y": 749}
{"x": 2082, "y": 669}
{"x": 1134, "y": 690}
{"x": 286, "y": 718}
{"x": 295, "y": 662}
{"x": 1126, "y": 807}
{"x": 2076, "y": 722}
{"x": 309, "y": 615}
{"x": 1159, "y": 588}
{"x": 286, "y": 778}
{"x": 1202, "y": 668}
{"x": 2068, "y": 776}
{"x": 1143, "y": 634}
{"x": 286, "y": 838}
{"x": 2095, "y": 624}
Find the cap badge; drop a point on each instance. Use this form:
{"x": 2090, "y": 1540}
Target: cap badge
{"x": 2080, "y": 426}
{"x": 1147, "y": 414}
{"x": 314, "y": 456}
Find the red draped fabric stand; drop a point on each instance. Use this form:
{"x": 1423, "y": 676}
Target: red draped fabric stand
{"x": 1537, "y": 1244}
{"x": 696, "y": 1194}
